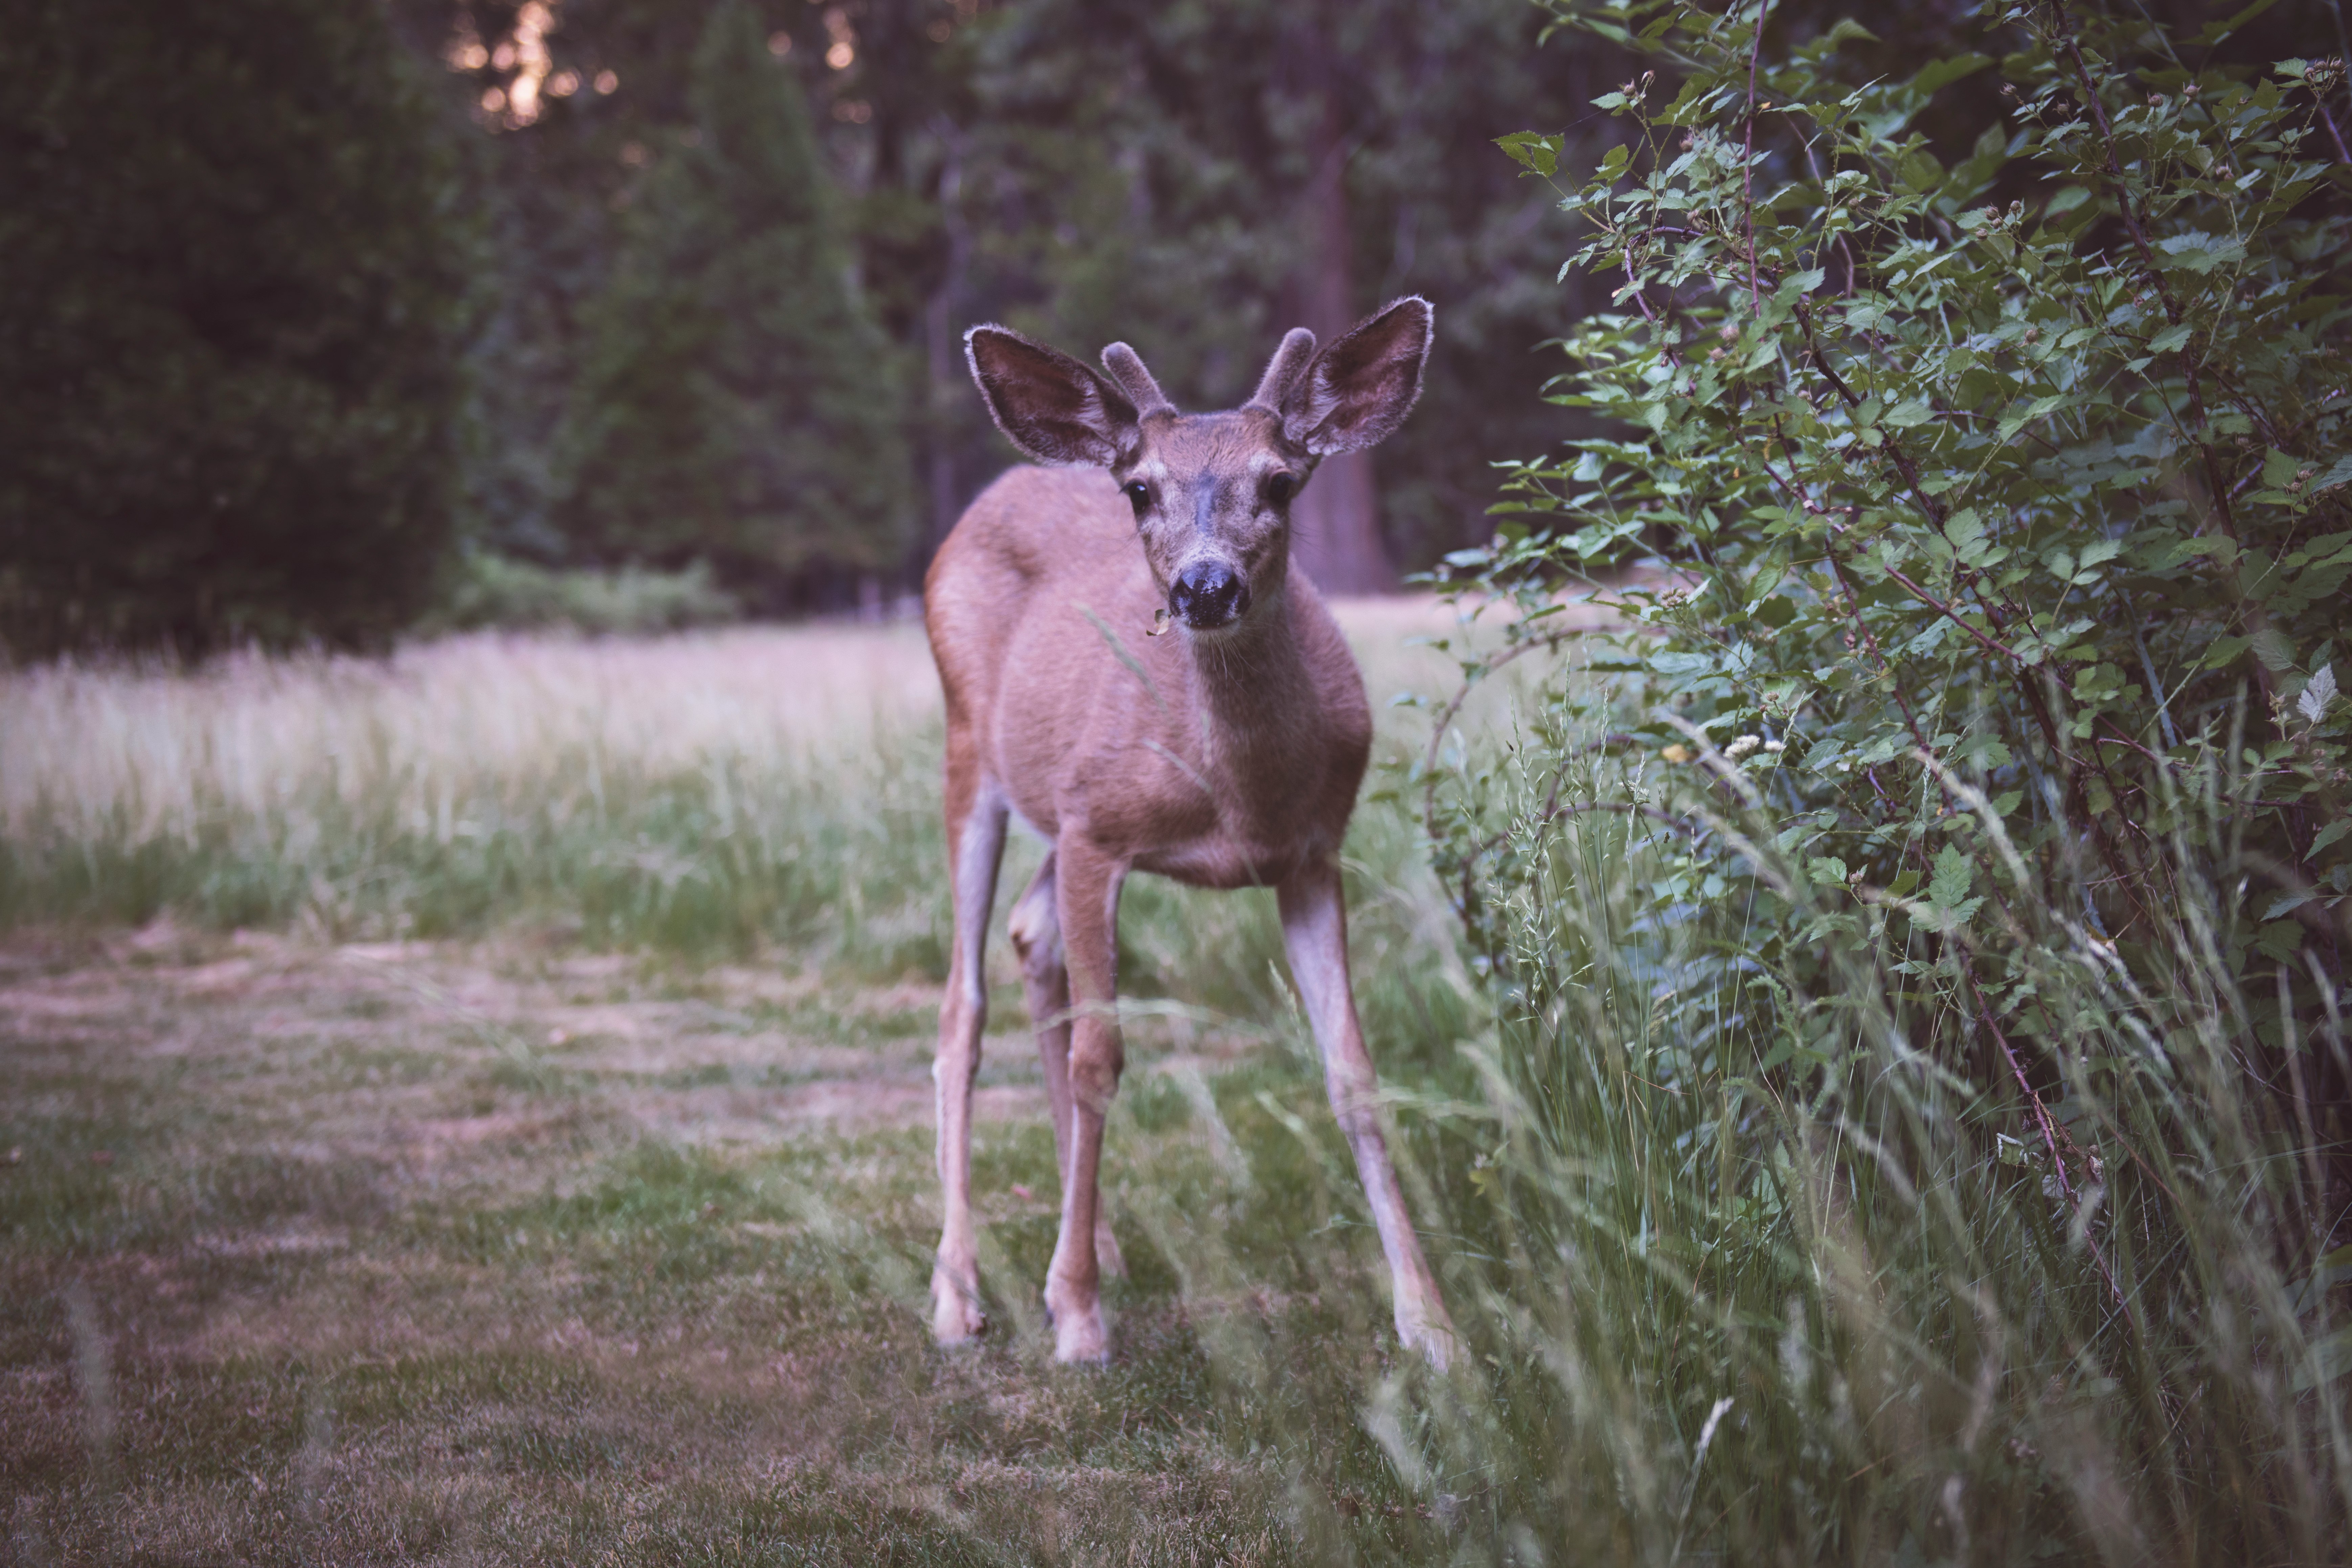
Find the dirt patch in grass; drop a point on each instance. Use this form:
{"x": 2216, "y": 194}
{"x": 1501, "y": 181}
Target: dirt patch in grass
{"x": 413, "y": 1252}
{"x": 407, "y": 1052}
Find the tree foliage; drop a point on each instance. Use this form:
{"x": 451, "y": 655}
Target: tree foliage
{"x": 230, "y": 278}
{"x": 1088, "y": 172}
{"x": 735, "y": 399}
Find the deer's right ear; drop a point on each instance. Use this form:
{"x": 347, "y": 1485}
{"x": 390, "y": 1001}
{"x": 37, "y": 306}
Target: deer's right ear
{"x": 1047, "y": 403}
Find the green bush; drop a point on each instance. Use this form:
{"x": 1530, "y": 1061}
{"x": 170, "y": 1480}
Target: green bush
{"x": 1918, "y": 1129}
{"x": 2052, "y": 487}
{"x": 488, "y": 589}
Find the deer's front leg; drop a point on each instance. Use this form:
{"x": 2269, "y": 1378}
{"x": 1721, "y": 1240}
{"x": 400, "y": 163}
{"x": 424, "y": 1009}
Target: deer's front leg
{"x": 1314, "y": 933}
{"x": 975, "y": 844}
{"x": 1087, "y": 888}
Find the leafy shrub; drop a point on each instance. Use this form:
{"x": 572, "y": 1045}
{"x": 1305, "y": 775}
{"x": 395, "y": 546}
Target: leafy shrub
{"x": 1920, "y": 946}
{"x": 488, "y": 589}
{"x": 2045, "y": 488}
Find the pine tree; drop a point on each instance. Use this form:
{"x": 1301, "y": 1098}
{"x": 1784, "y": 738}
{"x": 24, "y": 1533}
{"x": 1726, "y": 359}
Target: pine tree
{"x": 229, "y": 299}
{"x": 736, "y": 401}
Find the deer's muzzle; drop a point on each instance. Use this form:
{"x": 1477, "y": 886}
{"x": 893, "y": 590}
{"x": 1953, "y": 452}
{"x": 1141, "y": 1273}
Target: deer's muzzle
{"x": 1208, "y": 594}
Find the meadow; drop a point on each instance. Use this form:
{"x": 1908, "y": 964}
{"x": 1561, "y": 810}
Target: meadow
{"x": 474, "y": 1106}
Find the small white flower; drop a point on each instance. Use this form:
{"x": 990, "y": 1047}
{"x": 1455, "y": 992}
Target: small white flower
{"x": 1742, "y": 746}
{"x": 1773, "y": 746}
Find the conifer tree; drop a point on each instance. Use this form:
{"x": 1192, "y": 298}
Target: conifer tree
{"x": 230, "y": 292}
{"x": 735, "y": 403}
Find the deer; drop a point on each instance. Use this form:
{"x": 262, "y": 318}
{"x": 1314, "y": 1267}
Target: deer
{"x": 1134, "y": 669}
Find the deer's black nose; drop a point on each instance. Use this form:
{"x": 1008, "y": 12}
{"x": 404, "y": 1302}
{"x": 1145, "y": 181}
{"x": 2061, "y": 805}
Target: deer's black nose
{"x": 1208, "y": 594}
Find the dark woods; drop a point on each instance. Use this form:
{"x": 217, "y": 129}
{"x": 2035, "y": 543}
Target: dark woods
{"x": 311, "y": 312}
{"x": 233, "y": 274}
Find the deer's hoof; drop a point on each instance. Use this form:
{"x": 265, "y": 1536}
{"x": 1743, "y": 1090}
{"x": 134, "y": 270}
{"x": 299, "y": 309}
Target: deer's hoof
{"x": 956, "y": 1317}
{"x": 1079, "y": 1334}
{"x": 1433, "y": 1337}
{"x": 1081, "y": 1339}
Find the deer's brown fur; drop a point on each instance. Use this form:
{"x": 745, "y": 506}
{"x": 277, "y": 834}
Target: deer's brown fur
{"x": 1134, "y": 670}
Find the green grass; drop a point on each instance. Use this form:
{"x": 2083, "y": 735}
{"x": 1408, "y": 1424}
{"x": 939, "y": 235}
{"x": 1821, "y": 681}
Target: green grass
{"x": 599, "y": 1344}
{"x": 443, "y": 1219}
{"x": 412, "y": 1230}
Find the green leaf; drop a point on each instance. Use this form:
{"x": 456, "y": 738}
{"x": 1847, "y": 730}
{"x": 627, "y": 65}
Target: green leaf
{"x": 2280, "y": 940}
{"x": 1798, "y": 283}
{"x": 2225, "y": 651}
{"x": 1536, "y": 152}
{"x": 2169, "y": 340}
{"x": 1954, "y": 874}
{"x": 2275, "y": 649}
{"x": 2196, "y": 251}
{"x": 1939, "y": 73}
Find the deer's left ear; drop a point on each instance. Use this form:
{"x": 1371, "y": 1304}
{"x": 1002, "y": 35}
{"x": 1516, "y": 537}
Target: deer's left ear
{"x": 1361, "y": 386}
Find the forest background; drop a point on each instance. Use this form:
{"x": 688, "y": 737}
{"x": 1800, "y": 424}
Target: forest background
{"x": 323, "y": 320}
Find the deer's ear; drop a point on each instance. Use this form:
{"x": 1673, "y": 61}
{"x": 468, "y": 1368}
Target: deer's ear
{"x": 1361, "y": 385}
{"x": 1047, "y": 403}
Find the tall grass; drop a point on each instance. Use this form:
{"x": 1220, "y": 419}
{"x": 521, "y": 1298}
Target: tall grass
{"x": 702, "y": 792}
{"x": 1764, "y": 1272}
{"x": 714, "y": 793}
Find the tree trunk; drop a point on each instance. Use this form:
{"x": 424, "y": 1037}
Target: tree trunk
{"x": 1335, "y": 523}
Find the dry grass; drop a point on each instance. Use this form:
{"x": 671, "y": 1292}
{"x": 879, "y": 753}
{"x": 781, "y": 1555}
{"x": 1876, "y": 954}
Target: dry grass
{"x": 492, "y": 718}
{"x": 488, "y": 718}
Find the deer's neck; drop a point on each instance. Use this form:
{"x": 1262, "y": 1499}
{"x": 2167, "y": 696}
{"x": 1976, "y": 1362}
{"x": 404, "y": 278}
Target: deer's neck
{"x": 1255, "y": 693}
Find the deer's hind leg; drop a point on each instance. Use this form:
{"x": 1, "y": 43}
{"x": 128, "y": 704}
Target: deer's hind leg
{"x": 1035, "y": 927}
{"x": 976, "y": 818}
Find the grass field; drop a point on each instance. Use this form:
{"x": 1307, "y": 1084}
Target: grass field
{"x": 474, "y": 1107}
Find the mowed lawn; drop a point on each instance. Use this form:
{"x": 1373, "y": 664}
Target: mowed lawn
{"x": 476, "y": 1108}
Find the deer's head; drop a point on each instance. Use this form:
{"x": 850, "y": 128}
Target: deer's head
{"x": 1211, "y": 492}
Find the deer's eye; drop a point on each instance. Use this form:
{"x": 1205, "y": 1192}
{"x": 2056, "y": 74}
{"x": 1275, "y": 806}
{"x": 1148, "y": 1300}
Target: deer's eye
{"x": 1139, "y": 495}
{"x": 1281, "y": 487}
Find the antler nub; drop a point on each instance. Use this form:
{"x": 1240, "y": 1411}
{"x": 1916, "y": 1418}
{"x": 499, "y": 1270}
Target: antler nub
{"x": 1282, "y": 369}
{"x": 1126, "y": 367}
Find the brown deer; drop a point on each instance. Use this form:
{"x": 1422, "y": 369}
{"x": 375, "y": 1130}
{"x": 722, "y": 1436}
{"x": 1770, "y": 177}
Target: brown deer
{"x": 1225, "y": 753}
